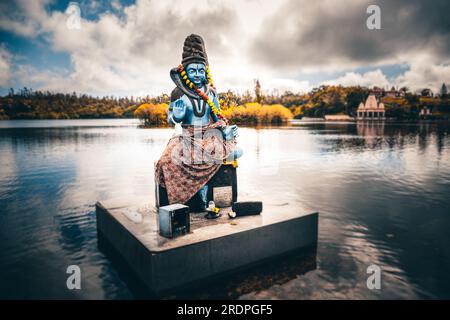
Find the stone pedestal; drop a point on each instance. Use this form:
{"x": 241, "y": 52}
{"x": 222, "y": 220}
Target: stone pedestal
{"x": 213, "y": 247}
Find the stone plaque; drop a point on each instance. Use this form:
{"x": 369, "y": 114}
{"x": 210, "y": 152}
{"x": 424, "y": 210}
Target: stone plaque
{"x": 223, "y": 196}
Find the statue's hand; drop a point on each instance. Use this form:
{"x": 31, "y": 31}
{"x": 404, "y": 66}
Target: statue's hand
{"x": 179, "y": 109}
{"x": 230, "y": 132}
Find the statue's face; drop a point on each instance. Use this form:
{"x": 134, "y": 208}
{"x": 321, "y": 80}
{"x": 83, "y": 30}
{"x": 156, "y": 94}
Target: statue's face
{"x": 196, "y": 72}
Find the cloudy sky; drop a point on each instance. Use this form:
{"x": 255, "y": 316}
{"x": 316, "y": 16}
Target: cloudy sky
{"x": 128, "y": 47}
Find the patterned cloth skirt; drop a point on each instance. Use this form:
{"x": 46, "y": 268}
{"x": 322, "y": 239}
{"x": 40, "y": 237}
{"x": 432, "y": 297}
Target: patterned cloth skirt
{"x": 191, "y": 159}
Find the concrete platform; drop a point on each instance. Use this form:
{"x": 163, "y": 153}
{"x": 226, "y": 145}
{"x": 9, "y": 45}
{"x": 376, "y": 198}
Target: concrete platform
{"x": 213, "y": 247}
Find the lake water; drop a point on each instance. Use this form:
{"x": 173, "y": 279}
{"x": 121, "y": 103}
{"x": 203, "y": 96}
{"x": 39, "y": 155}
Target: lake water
{"x": 382, "y": 190}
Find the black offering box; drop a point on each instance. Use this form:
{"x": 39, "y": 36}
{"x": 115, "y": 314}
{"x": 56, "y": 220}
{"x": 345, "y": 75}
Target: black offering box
{"x": 174, "y": 220}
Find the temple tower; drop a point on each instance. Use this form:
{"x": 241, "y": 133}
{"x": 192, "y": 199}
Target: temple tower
{"x": 371, "y": 110}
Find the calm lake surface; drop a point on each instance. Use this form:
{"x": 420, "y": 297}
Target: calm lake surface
{"x": 382, "y": 190}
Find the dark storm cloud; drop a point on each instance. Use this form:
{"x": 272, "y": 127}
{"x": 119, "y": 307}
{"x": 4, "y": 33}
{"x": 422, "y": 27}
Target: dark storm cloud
{"x": 166, "y": 31}
{"x": 334, "y": 32}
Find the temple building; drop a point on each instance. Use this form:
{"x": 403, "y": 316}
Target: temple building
{"x": 425, "y": 112}
{"x": 371, "y": 110}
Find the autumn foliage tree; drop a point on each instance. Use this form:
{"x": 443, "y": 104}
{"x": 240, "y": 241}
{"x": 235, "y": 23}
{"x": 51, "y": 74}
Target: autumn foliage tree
{"x": 152, "y": 114}
{"x": 255, "y": 113}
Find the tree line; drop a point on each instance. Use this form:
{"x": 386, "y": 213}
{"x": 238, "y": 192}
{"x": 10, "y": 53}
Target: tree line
{"x": 402, "y": 104}
{"x": 29, "y": 104}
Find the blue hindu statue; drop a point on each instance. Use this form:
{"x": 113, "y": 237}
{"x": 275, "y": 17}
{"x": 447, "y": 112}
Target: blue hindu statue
{"x": 195, "y": 105}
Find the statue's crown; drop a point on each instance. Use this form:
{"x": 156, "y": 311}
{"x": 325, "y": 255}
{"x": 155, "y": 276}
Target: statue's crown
{"x": 194, "y": 50}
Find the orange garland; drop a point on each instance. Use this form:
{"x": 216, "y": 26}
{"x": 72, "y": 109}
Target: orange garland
{"x": 191, "y": 85}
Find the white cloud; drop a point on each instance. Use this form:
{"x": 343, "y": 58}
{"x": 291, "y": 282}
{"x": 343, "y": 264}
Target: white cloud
{"x": 282, "y": 85}
{"x": 23, "y": 17}
{"x": 116, "y": 5}
{"x": 5, "y": 67}
{"x": 368, "y": 79}
{"x": 132, "y": 52}
{"x": 425, "y": 73}
{"x": 422, "y": 73}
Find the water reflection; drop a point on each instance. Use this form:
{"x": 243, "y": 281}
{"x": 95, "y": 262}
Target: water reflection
{"x": 381, "y": 189}
{"x": 262, "y": 276}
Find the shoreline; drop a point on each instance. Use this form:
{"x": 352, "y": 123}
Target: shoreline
{"x": 251, "y": 124}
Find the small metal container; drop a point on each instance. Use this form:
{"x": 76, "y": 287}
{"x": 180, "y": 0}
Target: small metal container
{"x": 174, "y": 220}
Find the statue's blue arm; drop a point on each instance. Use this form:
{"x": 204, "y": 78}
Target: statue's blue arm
{"x": 229, "y": 132}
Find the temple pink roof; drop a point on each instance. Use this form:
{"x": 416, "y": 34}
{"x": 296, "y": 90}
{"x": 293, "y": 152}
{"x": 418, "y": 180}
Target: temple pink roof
{"x": 371, "y": 104}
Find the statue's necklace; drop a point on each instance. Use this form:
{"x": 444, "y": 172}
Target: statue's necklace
{"x": 205, "y": 98}
{"x": 198, "y": 106}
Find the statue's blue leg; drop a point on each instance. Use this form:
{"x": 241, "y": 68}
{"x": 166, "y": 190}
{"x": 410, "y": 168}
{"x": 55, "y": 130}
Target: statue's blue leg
{"x": 237, "y": 153}
{"x": 203, "y": 193}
